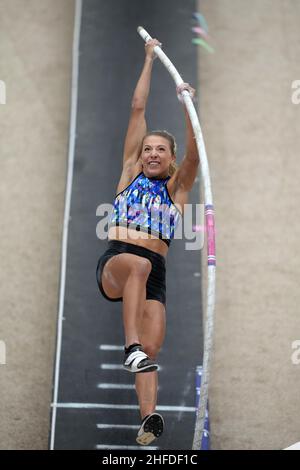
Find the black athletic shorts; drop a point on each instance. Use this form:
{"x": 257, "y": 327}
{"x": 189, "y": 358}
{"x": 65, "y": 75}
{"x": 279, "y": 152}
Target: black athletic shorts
{"x": 156, "y": 283}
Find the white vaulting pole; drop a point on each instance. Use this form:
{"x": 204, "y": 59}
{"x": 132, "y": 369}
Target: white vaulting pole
{"x": 210, "y": 230}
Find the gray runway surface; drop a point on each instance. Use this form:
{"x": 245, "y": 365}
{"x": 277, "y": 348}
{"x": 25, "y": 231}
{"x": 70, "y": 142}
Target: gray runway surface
{"x": 111, "y": 58}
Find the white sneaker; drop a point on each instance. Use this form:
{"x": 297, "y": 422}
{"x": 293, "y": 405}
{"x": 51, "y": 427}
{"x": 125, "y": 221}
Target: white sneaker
{"x": 151, "y": 428}
{"x": 137, "y": 361}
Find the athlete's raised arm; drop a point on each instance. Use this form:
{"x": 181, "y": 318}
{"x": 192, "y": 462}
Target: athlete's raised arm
{"x": 137, "y": 127}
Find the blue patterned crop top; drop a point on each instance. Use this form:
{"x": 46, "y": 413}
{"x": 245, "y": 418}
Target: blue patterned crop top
{"x": 146, "y": 205}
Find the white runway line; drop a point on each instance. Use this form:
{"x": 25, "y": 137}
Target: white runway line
{"x": 112, "y": 366}
{"x": 116, "y": 386}
{"x": 120, "y": 367}
{"x": 119, "y": 387}
{"x": 111, "y": 406}
{"x": 72, "y": 138}
{"x": 111, "y": 347}
{"x": 117, "y": 426}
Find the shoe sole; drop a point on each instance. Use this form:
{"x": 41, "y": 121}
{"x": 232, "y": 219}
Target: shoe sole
{"x": 153, "y": 429}
{"x": 150, "y": 368}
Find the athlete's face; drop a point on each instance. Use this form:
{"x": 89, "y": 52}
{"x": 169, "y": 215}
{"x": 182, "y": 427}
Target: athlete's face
{"x": 156, "y": 156}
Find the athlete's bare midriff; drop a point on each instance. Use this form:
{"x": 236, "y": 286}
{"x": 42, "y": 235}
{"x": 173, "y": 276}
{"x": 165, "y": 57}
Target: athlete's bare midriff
{"x": 138, "y": 238}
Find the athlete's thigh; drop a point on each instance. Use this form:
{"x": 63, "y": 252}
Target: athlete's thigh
{"x": 117, "y": 269}
{"x": 153, "y": 326}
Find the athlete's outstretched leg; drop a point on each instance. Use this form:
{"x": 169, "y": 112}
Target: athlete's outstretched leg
{"x": 152, "y": 333}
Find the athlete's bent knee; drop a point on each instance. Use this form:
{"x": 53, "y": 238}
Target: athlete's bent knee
{"x": 141, "y": 267}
